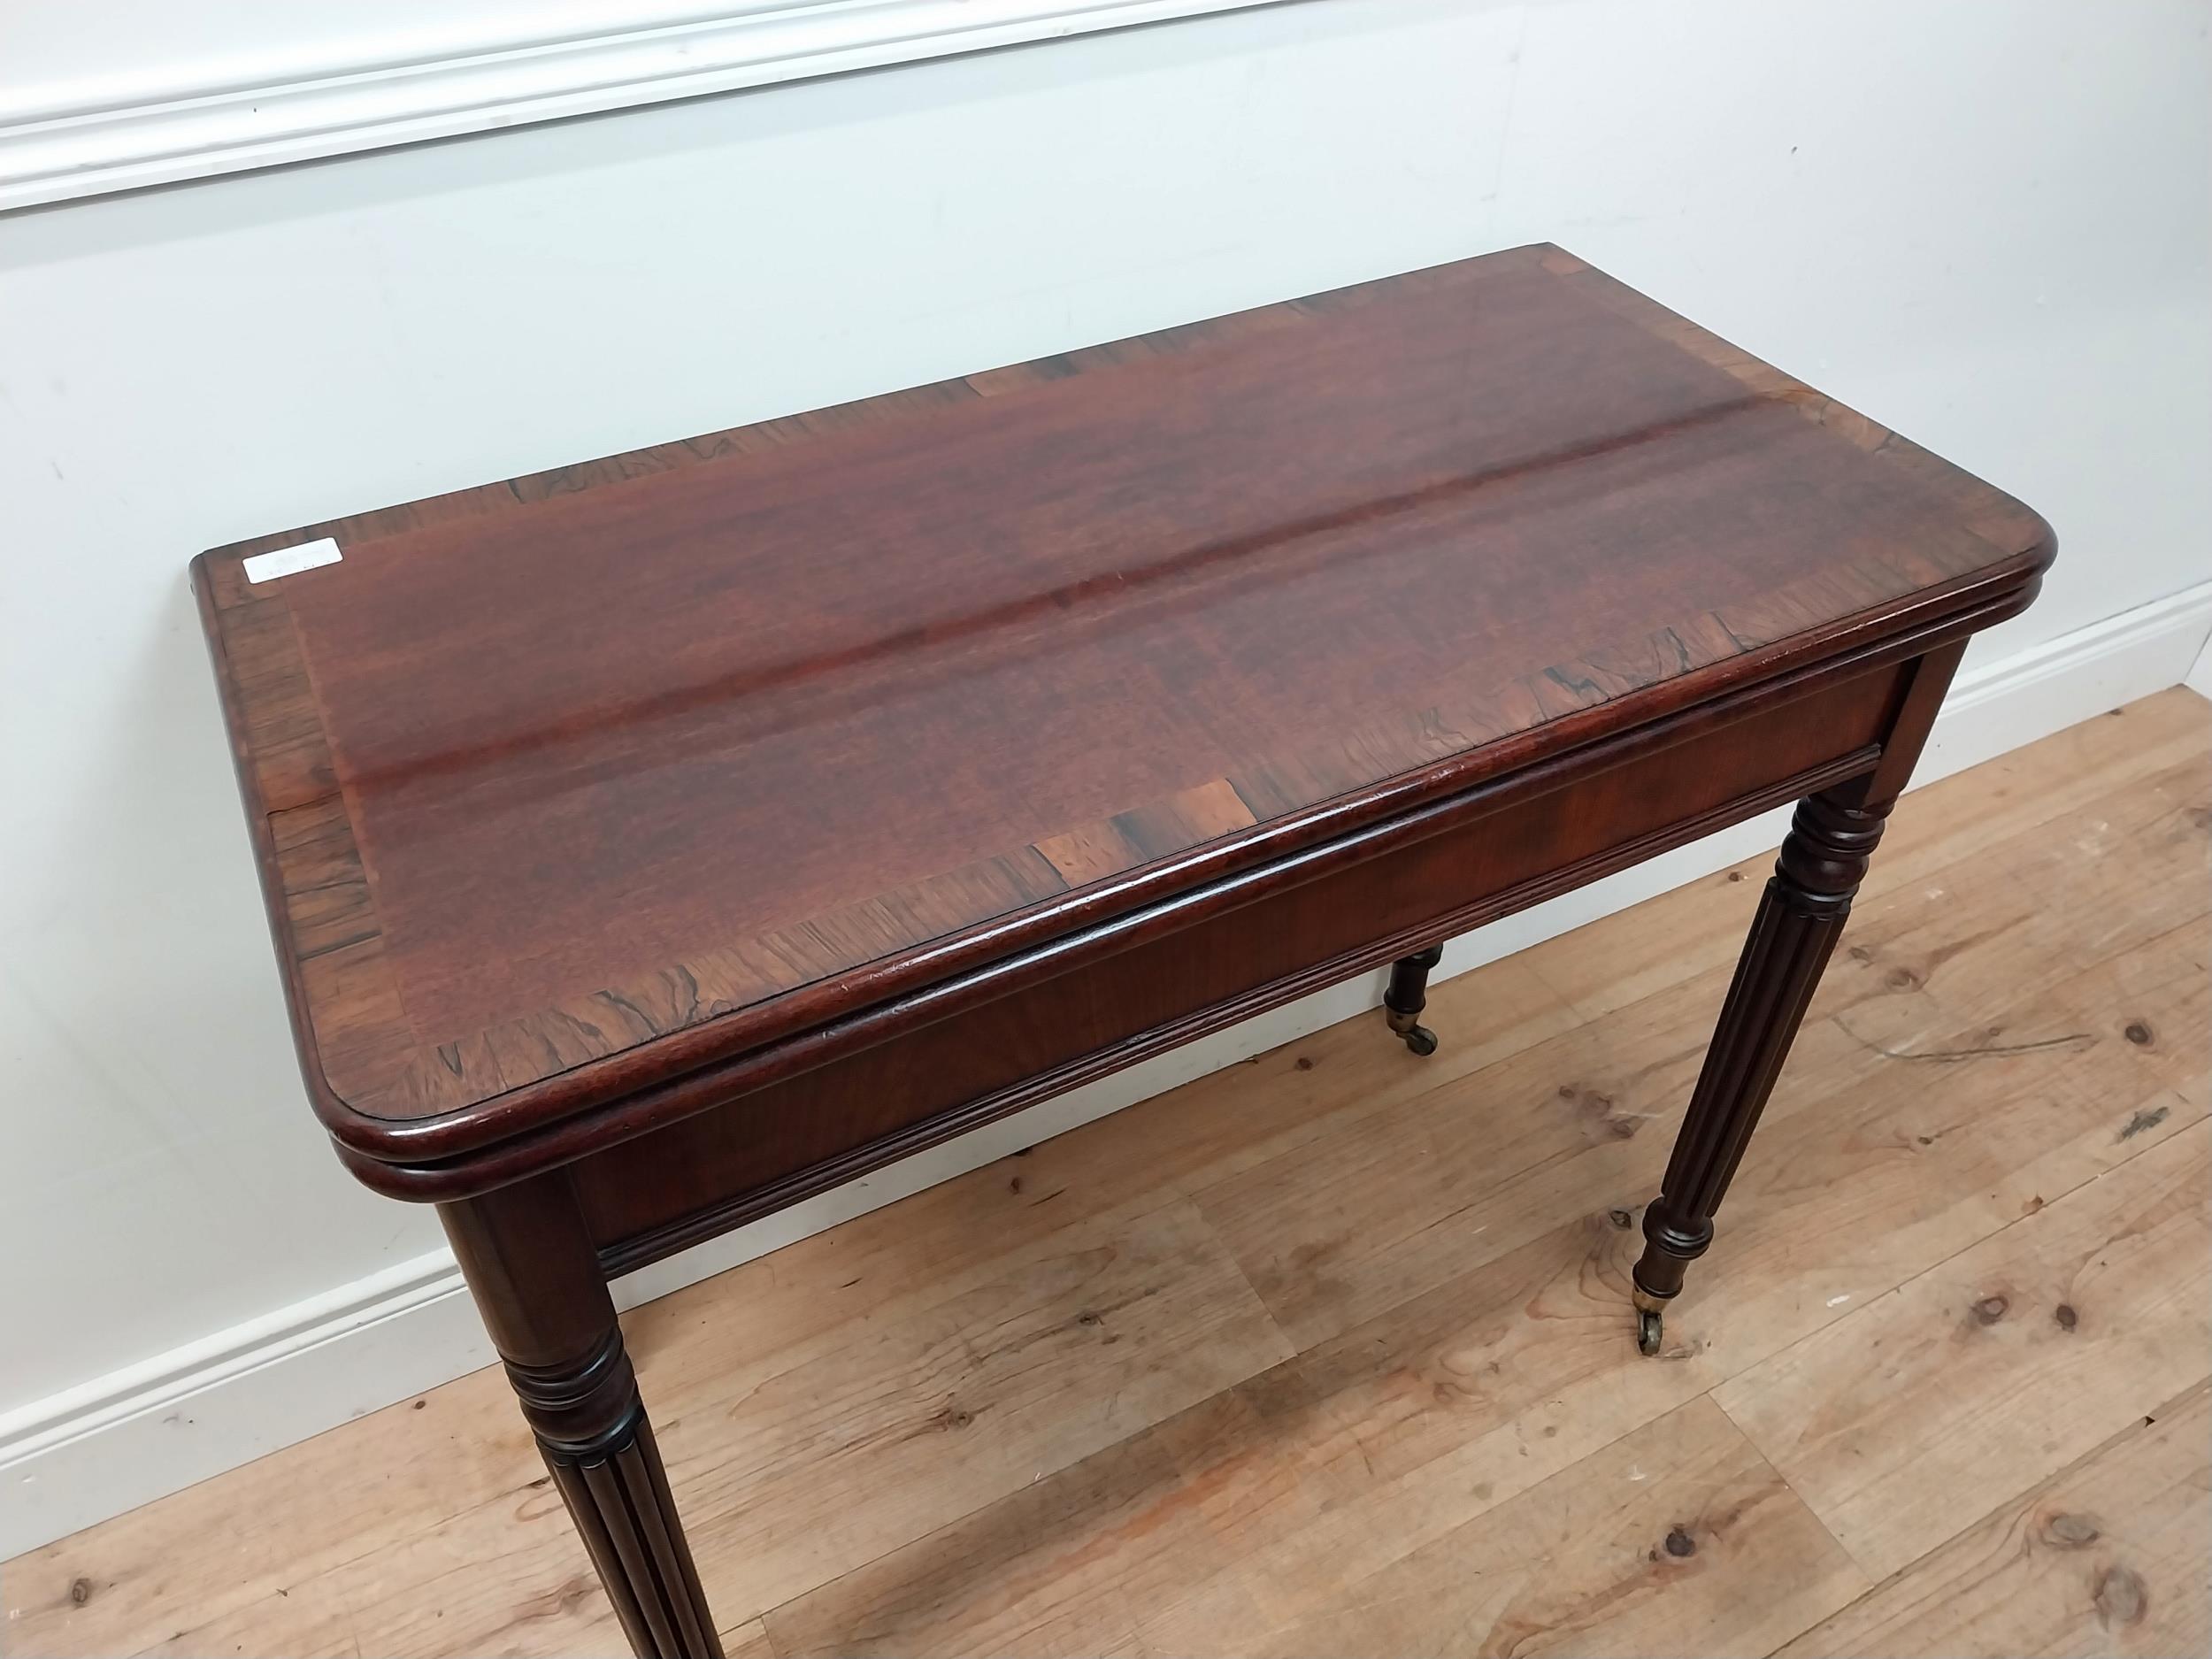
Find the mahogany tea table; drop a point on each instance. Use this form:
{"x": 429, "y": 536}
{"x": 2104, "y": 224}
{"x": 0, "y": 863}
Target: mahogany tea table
{"x": 654, "y": 842}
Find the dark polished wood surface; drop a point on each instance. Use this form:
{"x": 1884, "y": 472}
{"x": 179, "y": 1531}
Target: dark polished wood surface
{"x": 594, "y": 778}
{"x": 1238, "y": 947}
{"x": 652, "y": 844}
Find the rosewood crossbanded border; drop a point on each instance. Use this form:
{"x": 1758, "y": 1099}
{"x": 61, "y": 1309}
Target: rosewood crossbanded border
{"x": 652, "y": 842}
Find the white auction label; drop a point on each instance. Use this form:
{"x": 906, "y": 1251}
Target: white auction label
{"x": 289, "y": 560}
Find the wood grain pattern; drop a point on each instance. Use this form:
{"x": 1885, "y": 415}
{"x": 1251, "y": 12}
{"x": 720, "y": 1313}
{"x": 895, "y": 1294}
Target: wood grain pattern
{"x": 682, "y": 752}
{"x": 1453, "y": 1323}
{"x": 805, "y": 1132}
{"x": 1677, "y": 1537}
{"x": 2079, "y": 1318}
{"x": 2108, "y": 1556}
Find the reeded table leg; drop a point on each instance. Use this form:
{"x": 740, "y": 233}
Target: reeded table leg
{"x": 1409, "y": 995}
{"x": 537, "y": 1282}
{"x": 1823, "y": 858}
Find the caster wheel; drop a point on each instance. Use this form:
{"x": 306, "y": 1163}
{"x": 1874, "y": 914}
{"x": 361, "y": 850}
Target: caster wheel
{"x": 1421, "y": 1040}
{"x": 1650, "y": 1329}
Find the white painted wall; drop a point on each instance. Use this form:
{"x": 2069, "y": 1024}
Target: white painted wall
{"x": 1984, "y": 224}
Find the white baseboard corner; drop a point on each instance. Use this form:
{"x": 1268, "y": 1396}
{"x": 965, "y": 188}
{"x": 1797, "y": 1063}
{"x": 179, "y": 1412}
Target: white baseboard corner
{"x": 73, "y": 1459}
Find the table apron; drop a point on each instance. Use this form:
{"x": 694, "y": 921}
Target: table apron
{"x": 775, "y": 1145}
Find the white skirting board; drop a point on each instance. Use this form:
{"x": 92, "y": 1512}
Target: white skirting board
{"x": 122, "y": 1440}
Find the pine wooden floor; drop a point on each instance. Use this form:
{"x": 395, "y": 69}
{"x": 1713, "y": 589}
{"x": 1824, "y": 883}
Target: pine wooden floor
{"x": 1331, "y": 1353}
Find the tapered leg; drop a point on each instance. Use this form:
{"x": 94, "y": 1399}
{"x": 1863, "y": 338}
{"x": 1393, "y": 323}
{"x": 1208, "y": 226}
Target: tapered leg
{"x": 1409, "y": 995}
{"x": 536, "y": 1280}
{"x": 1799, "y": 916}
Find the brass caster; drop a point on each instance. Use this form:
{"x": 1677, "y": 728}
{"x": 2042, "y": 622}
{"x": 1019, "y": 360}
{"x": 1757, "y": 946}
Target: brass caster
{"x": 1651, "y": 1319}
{"x": 1417, "y": 1036}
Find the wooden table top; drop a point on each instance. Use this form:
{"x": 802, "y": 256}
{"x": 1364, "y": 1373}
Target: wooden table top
{"x": 565, "y": 785}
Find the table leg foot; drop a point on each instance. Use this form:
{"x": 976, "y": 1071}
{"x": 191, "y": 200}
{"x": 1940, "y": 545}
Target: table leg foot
{"x": 1651, "y": 1320}
{"x": 1409, "y": 995}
